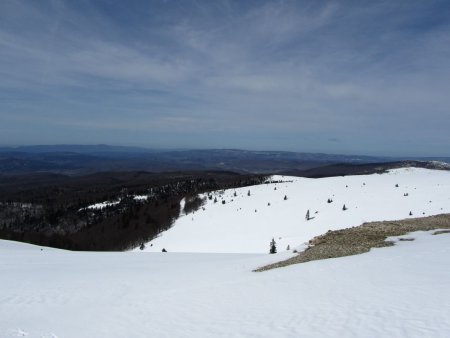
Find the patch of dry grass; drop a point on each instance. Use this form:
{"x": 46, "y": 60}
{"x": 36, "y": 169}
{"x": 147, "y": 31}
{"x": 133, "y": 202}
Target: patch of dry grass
{"x": 360, "y": 239}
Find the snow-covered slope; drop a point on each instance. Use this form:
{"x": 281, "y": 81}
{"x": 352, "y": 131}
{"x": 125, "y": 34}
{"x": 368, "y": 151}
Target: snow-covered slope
{"x": 246, "y": 224}
{"x": 400, "y": 291}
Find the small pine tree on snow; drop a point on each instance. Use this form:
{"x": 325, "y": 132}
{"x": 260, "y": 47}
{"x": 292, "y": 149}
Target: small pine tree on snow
{"x": 275, "y": 188}
{"x": 410, "y": 213}
{"x": 223, "y": 201}
{"x": 396, "y": 185}
{"x": 307, "y": 216}
{"x": 268, "y": 204}
{"x": 142, "y": 247}
{"x": 344, "y": 207}
{"x": 235, "y": 195}
{"x": 285, "y": 197}
{"x": 248, "y": 193}
{"x": 215, "y": 199}
{"x": 163, "y": 250}
{"x": 273, "y": 247}
{"x": 288, "y": 247}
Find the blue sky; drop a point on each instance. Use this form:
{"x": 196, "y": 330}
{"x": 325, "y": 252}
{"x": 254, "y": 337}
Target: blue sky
{"x": 367, "y": 77}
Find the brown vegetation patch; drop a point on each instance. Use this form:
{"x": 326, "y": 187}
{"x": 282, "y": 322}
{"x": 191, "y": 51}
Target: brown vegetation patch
{"x": 360, "y": 239}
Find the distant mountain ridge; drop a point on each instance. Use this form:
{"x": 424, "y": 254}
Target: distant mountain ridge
{"x": 76, "y": 148}
{"x": 85, "y": 159}
{"x": 344, "y": 169}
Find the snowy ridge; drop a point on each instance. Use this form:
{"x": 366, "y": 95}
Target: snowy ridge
{"x": 441, "y": 165}
{"x": 246, "y": 224}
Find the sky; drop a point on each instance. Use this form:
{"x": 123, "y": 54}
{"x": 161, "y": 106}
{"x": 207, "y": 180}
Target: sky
{"x": 350, "y": 77}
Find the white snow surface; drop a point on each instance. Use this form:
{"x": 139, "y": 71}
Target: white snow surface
{"x": 399, "y": 291}
{"x": 102, "y": 205}
{"x": 140, "y": 197}
{"x": 246, "y": 224}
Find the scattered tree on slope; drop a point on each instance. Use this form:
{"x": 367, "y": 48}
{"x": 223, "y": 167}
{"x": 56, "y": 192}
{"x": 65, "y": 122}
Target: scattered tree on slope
{"x": 273, "y": 246}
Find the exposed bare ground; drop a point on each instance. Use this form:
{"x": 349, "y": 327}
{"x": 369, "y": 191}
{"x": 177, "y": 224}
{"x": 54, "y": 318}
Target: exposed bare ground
{"x": 360, "y": 239}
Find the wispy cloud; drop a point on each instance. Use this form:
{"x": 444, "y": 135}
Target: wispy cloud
{"x": 374, "y": 72}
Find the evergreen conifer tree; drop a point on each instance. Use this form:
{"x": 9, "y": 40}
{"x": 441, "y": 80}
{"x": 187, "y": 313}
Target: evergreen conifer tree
{"x": 273, "y": 247}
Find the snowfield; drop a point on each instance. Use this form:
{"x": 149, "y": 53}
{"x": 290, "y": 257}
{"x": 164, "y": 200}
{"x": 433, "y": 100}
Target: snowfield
{"x": 399, "y": 291}
{"x": 246, "y": 224}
